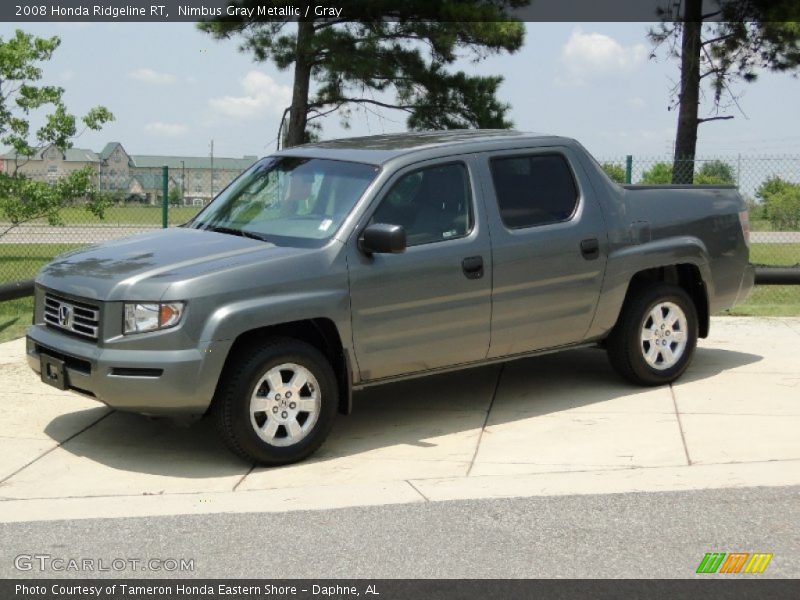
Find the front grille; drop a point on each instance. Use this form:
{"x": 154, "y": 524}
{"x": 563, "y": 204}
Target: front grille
{"x": 75, "y": 317}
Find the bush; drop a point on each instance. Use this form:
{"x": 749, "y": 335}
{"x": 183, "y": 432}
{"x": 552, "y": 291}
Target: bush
{"x": 715, "y": 172}
{"x": 784, "y": 209}
{"x": 658, "y": 174}
{"x": 174, "y": 197}
{"x": 614, "y": 171}
{"x": 781, "y": 200}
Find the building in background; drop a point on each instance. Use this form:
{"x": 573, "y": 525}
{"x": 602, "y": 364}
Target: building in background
{"x": 134, "y": 177}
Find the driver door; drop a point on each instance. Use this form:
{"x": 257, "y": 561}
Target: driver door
{"x": 429, "y": 307}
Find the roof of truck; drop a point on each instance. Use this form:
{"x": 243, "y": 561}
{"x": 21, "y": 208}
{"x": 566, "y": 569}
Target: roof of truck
{"x": 378, "y": 149}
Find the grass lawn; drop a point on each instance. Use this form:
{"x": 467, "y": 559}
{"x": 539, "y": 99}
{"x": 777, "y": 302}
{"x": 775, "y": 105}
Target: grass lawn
{"x": 15, "y": 316}
{"x": 770, "y": 301}
{"x": 775, "y": 255}
{"x": 21, "y": 261}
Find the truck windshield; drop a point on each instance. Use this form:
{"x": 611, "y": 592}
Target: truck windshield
{"x": 289, "y": 201}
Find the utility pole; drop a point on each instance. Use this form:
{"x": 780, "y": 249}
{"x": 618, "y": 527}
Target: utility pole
{"x": 183, "y": 182}
{"x": 212, "y": 169}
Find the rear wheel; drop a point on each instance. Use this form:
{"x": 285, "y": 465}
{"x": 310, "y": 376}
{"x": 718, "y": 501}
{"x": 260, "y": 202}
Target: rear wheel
{"x": 654, "y": 340}
{"x": 277, "y": 403}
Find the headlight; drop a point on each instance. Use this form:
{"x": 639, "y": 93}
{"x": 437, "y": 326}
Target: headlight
{"x": 151, "y": 316}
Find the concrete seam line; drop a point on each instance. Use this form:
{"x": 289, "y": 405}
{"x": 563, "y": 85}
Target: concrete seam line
{"x": 486, "y": 420}
{"x": 241, "y": 481}
{"x": 416, "y": 489}
{"x": 58, "y": 445}
{"x": 680, "y": 425}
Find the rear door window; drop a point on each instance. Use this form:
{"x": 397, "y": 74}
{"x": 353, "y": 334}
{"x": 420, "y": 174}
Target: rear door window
{"x": 534, "y": 190}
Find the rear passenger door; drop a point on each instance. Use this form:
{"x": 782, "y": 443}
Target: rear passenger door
{"x": 549, "y": 249}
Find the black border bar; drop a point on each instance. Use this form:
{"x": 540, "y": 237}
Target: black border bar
{"x": 23, "y": 11}
{"x": 711, "y": 588}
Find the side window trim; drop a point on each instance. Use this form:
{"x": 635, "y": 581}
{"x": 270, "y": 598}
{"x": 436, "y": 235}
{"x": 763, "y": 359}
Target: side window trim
{"x": 535, "y": 153}
{"x": 413, "y": 169}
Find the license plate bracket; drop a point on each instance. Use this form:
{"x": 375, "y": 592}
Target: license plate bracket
{"x": 53, "y": 372}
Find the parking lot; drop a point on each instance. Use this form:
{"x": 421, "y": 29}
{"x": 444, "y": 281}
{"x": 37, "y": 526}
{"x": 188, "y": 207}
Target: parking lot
{"x": 559, "y": 424}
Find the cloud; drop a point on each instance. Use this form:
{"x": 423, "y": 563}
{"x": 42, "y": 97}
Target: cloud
{"x": 635, "y": 102}
{"x": 166, "y": 129}
{"x": 146, "y": 75}
{"x": 588, "y": 56}
{"x": 262, "y": 94}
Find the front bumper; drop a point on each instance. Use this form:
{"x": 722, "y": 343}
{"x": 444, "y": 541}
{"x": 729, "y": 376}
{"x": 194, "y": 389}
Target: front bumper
{"x": 177, "y": 383}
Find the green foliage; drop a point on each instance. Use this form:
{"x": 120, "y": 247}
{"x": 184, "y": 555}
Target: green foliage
{"x": 783, "y": 209}
{"x": 781, "y": 202}
{"x": 771, "y": 186}
{"x": 659, "y": 174}
{"x": 23, "y": 199}
{"x": 20, "y": 95}
{"x": 397, "y": 58}
{"x": 22, "y": 99}
{"x": 715, "y": 172}
{"x": 175, "y": 197}
{"x": 614, "y": 171}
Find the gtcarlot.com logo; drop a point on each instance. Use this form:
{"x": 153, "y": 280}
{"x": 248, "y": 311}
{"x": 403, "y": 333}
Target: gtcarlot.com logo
{"x": 58, "y": 564}
{"x": 734, "y": 563}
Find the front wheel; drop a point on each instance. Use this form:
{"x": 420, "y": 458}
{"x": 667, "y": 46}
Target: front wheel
{"x": 654, "y": 340}
{"x": 277, "y": 403}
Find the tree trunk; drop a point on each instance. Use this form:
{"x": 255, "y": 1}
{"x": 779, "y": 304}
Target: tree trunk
{"x": 298, "y": 114}
{"x": 689, "y": 97}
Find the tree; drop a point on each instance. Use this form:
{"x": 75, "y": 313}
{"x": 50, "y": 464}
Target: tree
{"x": 399, "y": 49}
{"x": 22, "y": 100}
{"x": 715, "y": 172}
{"x": 614, "y": 171}
{"x": 659, "y": 174}
{"x": 781, "y": 201}
{"x": 175, "y": 197}
{"x": 783, "y": 210}
{"x": 746, "y": 36}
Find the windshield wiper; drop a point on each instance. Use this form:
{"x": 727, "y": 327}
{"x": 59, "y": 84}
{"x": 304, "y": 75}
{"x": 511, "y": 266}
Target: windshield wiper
{"x": 239, "y": 232}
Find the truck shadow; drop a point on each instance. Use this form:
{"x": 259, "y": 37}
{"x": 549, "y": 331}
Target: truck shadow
{"x": 437, "y": 418}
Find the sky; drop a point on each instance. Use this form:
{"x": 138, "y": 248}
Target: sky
{"x": 173, "y": 89}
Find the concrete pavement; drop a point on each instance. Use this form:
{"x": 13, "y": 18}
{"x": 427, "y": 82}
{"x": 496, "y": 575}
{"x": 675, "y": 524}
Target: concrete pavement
{"x": 560, "y": 424}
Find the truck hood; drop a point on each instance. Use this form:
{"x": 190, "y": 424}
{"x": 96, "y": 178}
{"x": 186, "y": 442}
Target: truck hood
{"x": 144, "y": 266}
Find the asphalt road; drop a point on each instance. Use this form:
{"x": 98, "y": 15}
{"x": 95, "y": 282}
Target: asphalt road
{"x": 663, "y": 535}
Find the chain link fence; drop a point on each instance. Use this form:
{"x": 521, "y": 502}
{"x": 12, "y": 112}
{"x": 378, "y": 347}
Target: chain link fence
{"x": 771, "y": 186}
{"x": 26, "y": 247}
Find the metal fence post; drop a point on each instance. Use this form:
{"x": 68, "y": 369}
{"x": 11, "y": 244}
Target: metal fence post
{"x": 164, "y": 192}
{"x": 628, "y": 168}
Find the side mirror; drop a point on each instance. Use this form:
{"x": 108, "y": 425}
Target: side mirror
{"x": 382, "y": 238}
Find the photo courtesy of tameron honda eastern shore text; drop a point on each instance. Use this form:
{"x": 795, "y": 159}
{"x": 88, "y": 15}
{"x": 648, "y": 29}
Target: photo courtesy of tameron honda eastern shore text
{"x": 332, "y": 266}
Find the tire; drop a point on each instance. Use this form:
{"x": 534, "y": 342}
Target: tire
{"x": 264, "y": 415}
{"x": 663, "y": 357}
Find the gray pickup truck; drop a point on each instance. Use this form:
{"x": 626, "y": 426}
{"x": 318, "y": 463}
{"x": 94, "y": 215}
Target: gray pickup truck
{"x": 338, "y": 265}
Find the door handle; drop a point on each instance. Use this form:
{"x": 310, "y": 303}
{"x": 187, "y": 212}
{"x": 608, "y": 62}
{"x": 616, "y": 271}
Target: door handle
{"x": 590, "y": 248}
{"x": 473, "y": 267}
